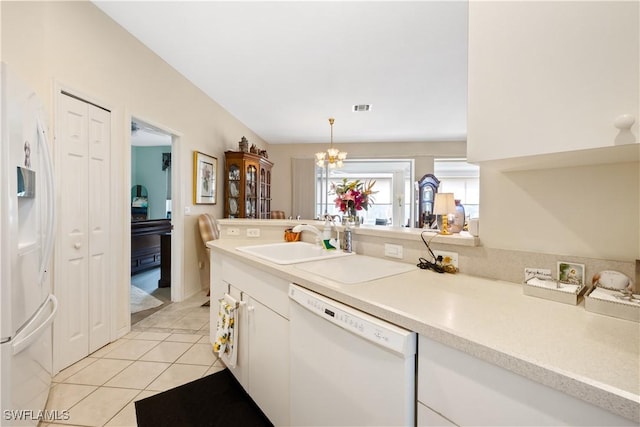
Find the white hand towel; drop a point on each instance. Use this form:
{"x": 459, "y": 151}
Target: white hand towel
{"x": 227, "y": 331}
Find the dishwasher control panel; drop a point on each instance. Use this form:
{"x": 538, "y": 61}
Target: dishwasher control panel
{"x": 362, "y": 324}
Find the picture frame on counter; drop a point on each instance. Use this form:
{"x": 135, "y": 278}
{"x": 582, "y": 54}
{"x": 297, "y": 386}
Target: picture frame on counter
{"x": 205, "y": 168}
{"x": 571, "y": 273}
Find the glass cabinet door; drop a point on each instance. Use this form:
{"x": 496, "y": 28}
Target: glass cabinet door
{"x": 251, "y": 191}
{"x": 265, "y": 193}
{"x": 233, "y": 198}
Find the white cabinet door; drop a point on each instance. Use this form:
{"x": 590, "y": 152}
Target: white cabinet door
{"x": 550, "y": 77}
{"x": 82, "y": 250}
{"x": 471, "y": 392}
{"x": 269, "y": 361}
{"x": 429, "y": 418}
{"x": 263, "y": 332}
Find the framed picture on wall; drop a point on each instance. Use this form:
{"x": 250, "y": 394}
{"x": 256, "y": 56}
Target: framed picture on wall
{"x": 204, "y": 178}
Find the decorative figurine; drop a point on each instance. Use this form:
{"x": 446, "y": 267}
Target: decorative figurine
{"x": 244, "y": 145}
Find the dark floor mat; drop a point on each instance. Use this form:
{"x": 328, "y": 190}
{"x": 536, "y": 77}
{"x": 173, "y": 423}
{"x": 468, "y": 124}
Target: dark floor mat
{"x": 215, "y": 400}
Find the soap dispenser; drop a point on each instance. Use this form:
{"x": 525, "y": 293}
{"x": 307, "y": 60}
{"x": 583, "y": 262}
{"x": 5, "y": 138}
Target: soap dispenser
{"x": 326, "y": 232}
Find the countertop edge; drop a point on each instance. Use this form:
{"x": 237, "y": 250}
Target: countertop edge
{"x": 617, "y": 401}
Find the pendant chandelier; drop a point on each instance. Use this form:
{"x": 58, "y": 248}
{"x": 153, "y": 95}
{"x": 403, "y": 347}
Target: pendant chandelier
{"x": 332, "y": 158}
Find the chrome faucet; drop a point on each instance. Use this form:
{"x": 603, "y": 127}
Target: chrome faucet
{"x": 306, "y": 227}
{"x": 333, "y": 218}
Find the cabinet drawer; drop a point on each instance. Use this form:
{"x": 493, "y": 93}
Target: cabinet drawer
{"x": 270, "y": 290}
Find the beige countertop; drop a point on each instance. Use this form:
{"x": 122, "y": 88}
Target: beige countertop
{"x": 589, "y": 356}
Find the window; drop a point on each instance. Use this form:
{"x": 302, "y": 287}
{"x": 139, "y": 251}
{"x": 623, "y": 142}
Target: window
{"x": 394, "y": 188}
{"x": 463, "y": 180}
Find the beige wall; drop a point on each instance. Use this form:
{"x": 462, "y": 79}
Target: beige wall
{"x": 74, "y": 44}
{"x": 587, "y": 211}
{"x": 422, "y": 152}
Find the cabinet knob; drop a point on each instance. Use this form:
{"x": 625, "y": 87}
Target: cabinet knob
{"x": 77, "y": 245}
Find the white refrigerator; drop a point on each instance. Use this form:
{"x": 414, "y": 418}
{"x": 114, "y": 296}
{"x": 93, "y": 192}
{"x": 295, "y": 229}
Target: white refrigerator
{"x": 27, "y": 223}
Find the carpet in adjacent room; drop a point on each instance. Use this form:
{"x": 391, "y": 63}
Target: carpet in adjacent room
{"x": 140, "y": 300}
{"x": 212, "y": 401}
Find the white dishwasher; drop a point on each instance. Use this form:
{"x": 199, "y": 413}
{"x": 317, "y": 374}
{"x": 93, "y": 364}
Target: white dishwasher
{"x": 348, "y": 368}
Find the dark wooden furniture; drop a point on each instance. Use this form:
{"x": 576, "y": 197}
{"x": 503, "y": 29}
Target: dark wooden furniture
{"x": 165, "y": 261}
{"x": 247, "y": 185}
{"x": 427, "y": 189}
{"x": 146, "y": 246}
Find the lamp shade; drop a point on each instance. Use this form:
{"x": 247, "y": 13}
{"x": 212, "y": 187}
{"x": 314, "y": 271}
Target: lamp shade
{"x": 444, "y": 204}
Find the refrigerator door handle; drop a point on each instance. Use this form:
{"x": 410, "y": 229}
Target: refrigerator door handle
{"x": 51, "y": 200}
{"x": 20, "y": 343}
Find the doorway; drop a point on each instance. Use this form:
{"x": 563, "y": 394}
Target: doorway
{"x": 151, "y": 219}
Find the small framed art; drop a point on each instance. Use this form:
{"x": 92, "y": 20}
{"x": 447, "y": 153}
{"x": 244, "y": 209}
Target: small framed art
{"x": 204, "y": 178}
{"x": 571, "y": 273}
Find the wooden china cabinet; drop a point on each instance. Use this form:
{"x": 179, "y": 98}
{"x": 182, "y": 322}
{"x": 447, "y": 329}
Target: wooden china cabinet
{"x": 247, "y": 186}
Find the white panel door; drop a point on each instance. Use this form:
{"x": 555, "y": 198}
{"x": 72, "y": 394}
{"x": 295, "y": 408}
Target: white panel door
{"x": 98, "y": 198}
{"x": 82, "y": 273}
{"x": 71, "y": 339}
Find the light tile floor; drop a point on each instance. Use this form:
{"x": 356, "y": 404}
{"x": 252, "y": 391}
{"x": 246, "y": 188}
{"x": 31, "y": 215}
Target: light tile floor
{"x": 167, "y": 349}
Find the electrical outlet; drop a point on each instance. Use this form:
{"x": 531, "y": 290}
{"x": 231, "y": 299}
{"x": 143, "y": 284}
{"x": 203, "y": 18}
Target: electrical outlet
{"x": 448, "y": 258}
{"x": 393, "y": 251}
{"x": 233, "y": 231}
{"x": 253, "y": 232}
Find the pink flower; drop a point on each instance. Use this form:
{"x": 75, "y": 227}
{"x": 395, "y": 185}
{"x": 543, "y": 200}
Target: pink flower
{"x": 353, "y": 194}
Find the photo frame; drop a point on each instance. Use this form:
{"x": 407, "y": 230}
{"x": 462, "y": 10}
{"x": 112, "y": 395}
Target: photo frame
{"x": 205, "y": 168}
{"x": 571, "y": 273}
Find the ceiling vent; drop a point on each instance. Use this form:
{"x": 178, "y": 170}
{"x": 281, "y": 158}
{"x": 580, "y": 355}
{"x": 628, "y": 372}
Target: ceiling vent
{"x": 361, "y": 107}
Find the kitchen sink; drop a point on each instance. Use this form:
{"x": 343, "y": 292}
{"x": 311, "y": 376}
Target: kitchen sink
{"x": 355, "y": 269}
{"x": 292, "y": 252}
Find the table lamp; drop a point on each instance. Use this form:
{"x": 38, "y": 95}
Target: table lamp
{"x": 444, "y": 205}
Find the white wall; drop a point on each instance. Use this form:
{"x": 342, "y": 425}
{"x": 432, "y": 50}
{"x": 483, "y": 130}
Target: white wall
{"x": 75, "y": 44}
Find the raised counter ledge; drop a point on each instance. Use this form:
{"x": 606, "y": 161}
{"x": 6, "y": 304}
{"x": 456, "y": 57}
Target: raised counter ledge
{"x": 589, "y": 356}
{"x": 463, "y": 238}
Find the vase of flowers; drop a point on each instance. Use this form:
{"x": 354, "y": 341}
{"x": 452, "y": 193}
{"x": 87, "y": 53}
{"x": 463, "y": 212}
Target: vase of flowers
{"x": 352, "y": 197}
